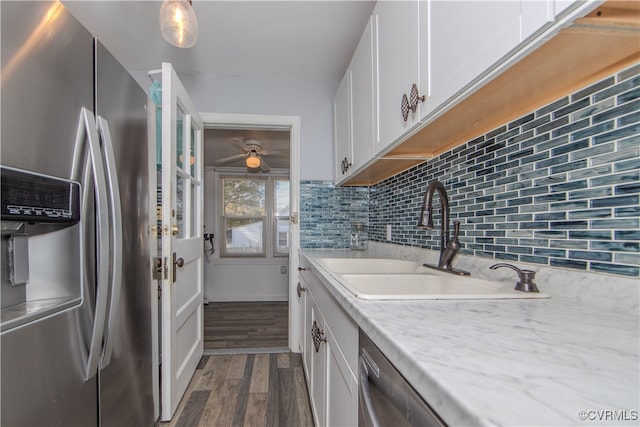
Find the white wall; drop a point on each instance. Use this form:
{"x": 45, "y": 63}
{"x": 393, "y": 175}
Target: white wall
{"x": 311, "y": 100}
{"x": 233, "y": 279}
{"x": 239, "y": 278}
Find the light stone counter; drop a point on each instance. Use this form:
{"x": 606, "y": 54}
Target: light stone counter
{"x": 509, "y": 362}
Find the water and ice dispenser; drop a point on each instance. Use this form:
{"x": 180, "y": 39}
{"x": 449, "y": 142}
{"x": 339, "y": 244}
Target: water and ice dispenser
{"x": 41, "y": 246}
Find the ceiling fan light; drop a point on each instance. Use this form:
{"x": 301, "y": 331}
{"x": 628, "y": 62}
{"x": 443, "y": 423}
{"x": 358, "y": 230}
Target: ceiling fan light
{"x": 252, "y": 161}
{"x": 178, "y": 23}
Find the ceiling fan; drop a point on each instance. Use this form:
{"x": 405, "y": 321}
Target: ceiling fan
{"x": 253, "y": 155}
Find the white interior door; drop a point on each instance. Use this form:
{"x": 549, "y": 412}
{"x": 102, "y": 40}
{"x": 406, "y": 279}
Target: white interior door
{"x": 182, "y": 297}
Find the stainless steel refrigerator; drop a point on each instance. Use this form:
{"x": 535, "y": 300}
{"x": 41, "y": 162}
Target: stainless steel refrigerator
{"x": 76, "y": 339}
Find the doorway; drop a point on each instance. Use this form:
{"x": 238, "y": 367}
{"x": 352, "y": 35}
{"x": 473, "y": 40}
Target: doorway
{"x": 250, "y": 227}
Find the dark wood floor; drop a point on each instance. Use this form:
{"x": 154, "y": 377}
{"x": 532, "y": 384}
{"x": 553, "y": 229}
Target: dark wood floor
{"x": 244, "y": 325}
{"x": 246, "y": 390}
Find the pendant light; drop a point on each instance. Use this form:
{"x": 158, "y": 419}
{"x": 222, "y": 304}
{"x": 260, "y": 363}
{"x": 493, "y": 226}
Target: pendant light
{"x": 178, "y": 23}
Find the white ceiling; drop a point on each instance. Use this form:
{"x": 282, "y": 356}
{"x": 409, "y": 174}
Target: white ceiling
{"x": 299, "y": 40}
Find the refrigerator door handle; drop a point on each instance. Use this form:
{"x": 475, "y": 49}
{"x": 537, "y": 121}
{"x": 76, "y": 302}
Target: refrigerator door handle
{"x": 87, "y": 128}
{"x": 115, "y": 216}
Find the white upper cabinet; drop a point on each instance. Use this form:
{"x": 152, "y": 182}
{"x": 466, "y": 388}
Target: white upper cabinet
{"x": 536, "y": 15}
{"x": 465, "y": 39}
{"x": 362, "y": 111}
{"x": 398, "y": 46}
{"x": 447, "y": 49}
{"x": 560, "y": 6}
{"x": 342, "y": 128}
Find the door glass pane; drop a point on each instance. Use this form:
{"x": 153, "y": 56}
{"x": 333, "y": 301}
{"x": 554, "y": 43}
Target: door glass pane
{"x": 180, "y": 137}
{"x": 180, "y": 198}
{"x": 193, "y": 208}
{"x": 243, "y": 236}
{"x": 192, "y": 151}
{"x": 244, "y": 197}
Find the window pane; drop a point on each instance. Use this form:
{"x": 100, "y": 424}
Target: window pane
{"x": 244, "y": 197}
{"x": 193, "y": 208}
{"x": 192, "y": 152}
{"x": 282, "y": 197}
{"x": 180, "y": 200}
{"x": 179, "y": 137}
{"x": 243, "y": 236}
{"x": 282, "y": 235}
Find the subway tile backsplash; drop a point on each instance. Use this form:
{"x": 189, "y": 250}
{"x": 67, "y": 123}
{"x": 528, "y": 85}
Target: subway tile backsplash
{"x": 327, "y": 212}
{"x": 559, "y": 187}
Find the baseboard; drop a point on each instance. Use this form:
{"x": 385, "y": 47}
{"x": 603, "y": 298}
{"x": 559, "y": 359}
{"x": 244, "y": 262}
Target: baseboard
{"x": 244, "y": 298}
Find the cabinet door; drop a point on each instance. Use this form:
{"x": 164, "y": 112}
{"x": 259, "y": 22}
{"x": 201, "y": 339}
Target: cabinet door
{"x": 561, "y": 6}
{"x": 397, "y": 50}
{"x": 318, "y": 370}
{"x": 342, "y": 387}
{"x": 362, "y": 79}
{"x": 466, "y": 38}
{"x": 342, "y": 127}
{"x": 535, "y": 15}
{"x": 305, "y": 327}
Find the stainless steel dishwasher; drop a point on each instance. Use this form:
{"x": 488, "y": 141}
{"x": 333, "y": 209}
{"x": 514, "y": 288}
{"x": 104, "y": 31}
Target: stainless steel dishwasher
{"x": 385, "y": 398}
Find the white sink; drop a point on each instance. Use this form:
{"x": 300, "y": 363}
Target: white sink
{"x": 371, "y": 266}
{"x": 429, "y": 286}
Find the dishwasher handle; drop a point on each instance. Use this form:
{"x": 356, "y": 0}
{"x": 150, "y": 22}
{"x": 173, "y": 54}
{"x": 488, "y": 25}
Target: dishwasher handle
{"x": 365, "y": 400}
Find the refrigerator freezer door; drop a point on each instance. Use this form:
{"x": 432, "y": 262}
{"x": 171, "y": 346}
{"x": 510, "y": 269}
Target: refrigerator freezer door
{"x": 47, "y": 77}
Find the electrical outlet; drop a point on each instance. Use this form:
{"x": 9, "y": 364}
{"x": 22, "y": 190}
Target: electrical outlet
{"x": 389, "y": 232}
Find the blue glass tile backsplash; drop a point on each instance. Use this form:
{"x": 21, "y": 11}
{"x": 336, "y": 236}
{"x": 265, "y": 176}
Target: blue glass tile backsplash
{"x": 559, "y": 187}
{"x": 327, "y": 211}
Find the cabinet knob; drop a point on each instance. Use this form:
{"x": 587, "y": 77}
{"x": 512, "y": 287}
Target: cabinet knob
{"x": 300, "y": 289}
{"x": 344, "y": 166}
{"x": 414, "y": 97}
{"x": 410, "y": 103}
{"x": 318, "y": 336}
{"x": 404, "y": 107}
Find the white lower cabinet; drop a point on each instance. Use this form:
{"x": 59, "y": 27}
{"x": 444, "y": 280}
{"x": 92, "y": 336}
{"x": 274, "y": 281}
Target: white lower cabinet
{"x": 330, "y": 358}
{"x": 318, "y": 367}
{"x": 342, "y": 387}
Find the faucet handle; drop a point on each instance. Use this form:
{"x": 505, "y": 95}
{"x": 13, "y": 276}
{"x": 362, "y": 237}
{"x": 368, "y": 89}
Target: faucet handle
{"x": 526, "y": 278}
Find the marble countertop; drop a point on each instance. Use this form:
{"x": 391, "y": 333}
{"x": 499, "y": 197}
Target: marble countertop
{"x": 505, "y": 362}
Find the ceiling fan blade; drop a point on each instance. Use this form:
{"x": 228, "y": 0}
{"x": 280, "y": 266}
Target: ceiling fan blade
{"x": 270, "y": 152}
{"x": 239, "y": 144}
{"x": 229, "y": 159}
{"x": 264, "y": 166}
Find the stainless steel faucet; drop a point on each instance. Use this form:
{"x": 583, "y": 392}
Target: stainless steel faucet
{"x": 449, "y": 248}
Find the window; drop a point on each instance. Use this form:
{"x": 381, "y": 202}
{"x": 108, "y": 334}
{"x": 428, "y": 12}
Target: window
{"x": 255, "y": 216}
{"x": 244, "y": 208}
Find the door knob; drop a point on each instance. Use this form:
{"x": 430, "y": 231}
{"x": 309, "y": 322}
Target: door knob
{"x": 180, "y": 262}
{"x": 175, "y": 229}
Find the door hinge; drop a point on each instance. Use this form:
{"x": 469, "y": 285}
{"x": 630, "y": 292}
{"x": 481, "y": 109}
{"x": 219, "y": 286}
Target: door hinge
{"x": 153, "y": 230}
{"x": 157, "y": 268}
{"x": 294, "y": 217}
